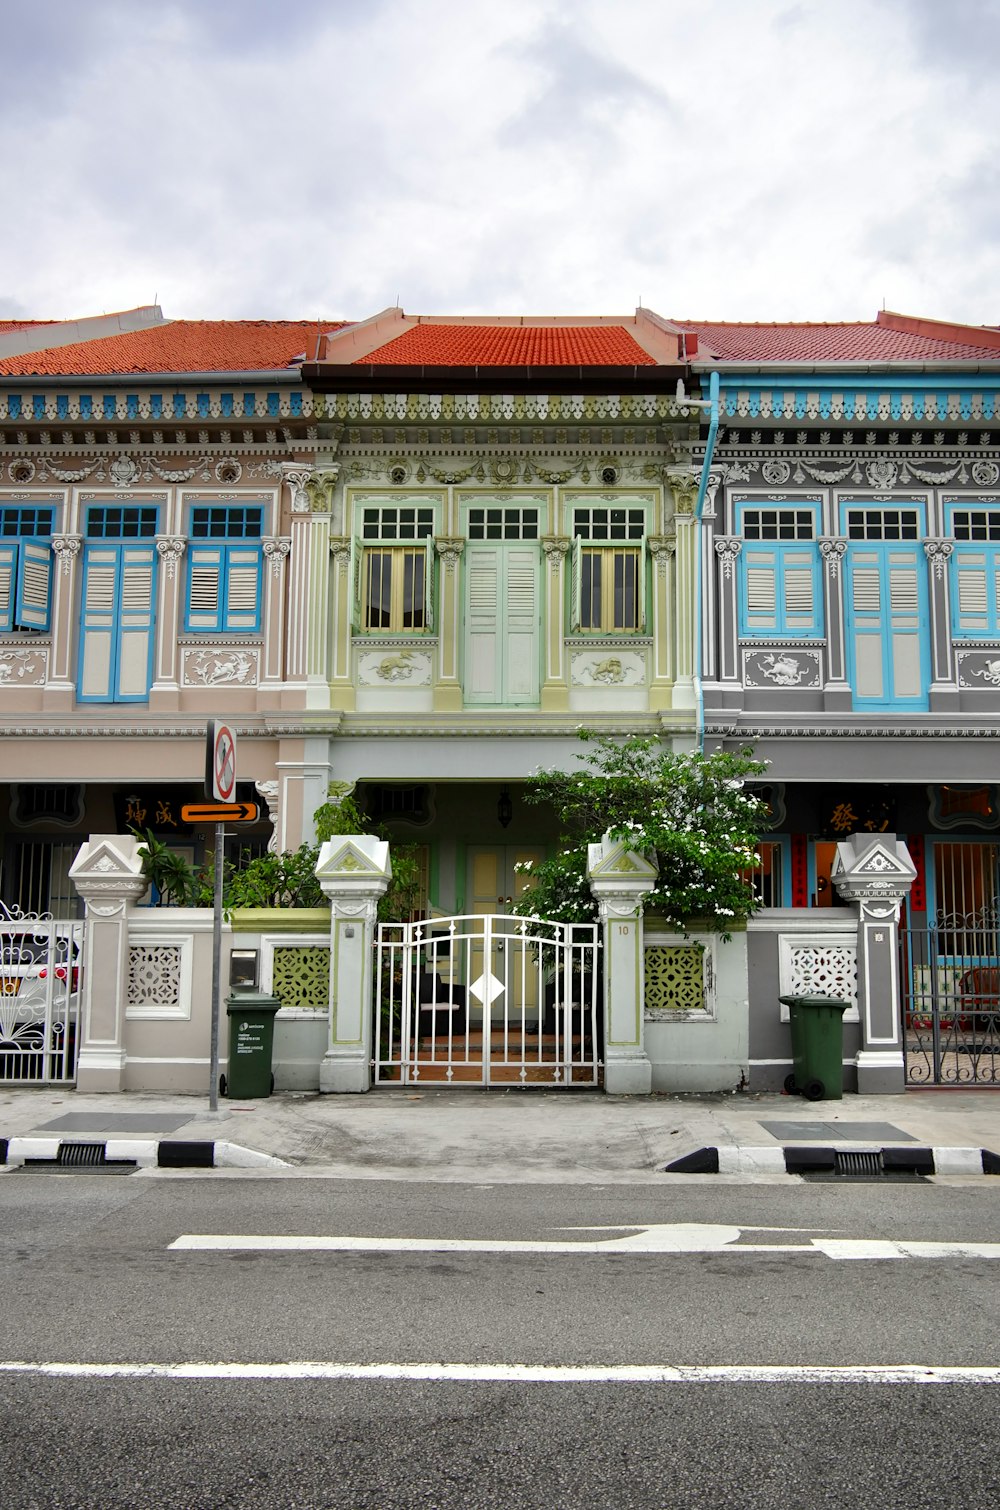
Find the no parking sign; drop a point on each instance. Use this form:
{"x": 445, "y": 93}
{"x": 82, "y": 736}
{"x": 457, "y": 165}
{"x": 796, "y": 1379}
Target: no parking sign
{"x": 220, "y": 762}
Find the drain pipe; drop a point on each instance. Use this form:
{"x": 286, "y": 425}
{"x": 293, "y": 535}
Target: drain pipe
{"x": 706, "y": 467}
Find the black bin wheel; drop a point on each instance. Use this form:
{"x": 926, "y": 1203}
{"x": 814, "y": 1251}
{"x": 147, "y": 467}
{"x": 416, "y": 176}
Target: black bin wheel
{"x": 790, "y": 1087}
{"x": 814, "y": 1090}
{"x": 223, "y": 1085}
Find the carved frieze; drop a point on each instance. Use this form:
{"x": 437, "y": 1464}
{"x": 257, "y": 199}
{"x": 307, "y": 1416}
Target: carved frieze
{"x": 395, "y": 666}
{"x": 979, "y": 668}
{"x": 220, "y": 666}
{"x": 23, "y": 667}
{"x": 604, "y": 668}
{"x": 782, "y": 667}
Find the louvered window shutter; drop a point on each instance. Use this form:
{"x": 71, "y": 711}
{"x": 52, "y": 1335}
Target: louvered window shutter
{"x": 8, "y": 574}
{"x": 34, "y": 576}
{"x": 760, "y": 590}
{"x": 242, "y": 579}
{"x": 800, "y": 591}
{"x": 429, "y": 584}
{"x": 97, "y": 650}
{"x": 576, "y": 588}
{"x": 355, "y": 575}
{"x": 135, "y": 635}
{"x": 971, "y": 610}
{"x": 205, "y": 567}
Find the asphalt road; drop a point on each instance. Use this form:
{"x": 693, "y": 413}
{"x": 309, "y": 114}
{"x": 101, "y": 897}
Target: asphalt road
{"x": 90, "y": 1278}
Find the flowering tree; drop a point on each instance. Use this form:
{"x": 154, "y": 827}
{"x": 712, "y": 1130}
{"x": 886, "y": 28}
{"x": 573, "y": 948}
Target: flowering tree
{"x": 691, "y": 813}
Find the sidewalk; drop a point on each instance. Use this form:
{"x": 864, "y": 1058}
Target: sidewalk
{"x": 503, "y": 1135}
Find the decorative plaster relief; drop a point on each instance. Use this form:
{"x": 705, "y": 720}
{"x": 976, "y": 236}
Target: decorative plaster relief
{"x": 220, "y": 666}
{"x": 394, "y": 666}
{"x": 781, "y": 668}
{"x": 24, "y": 668}
{"x": 979, "y": 668}
{"x": 623, "y": 668}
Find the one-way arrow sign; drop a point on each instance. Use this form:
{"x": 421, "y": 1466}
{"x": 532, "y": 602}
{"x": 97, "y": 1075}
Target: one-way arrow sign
{"x": 219, "y": 812}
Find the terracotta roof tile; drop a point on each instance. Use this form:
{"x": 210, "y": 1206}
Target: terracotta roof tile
{"x": 180, "y": 346}
{"x": 860, "y": 341}
{"x": 464, "y": 345}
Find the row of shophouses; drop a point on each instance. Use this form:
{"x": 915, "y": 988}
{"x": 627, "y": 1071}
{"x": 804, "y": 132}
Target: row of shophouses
{"x": 413, "y": 556}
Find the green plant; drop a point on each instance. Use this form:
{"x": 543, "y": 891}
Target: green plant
{"x": 692, "y": 814}
{"x": 170, "y": 873}
{"x": 277, "y": 879}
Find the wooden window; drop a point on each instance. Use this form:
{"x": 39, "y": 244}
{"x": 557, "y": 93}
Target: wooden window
{"x": 394, "y": 595}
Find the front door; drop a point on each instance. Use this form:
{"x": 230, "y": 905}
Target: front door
{"x": 495, "y": 883}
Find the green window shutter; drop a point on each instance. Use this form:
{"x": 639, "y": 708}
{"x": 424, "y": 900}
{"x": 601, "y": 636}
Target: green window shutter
{"x": 205, "y": 564}
{"x": 430, "y": 557}
{"x": 522, "y": 624}
{"x": 34, "y": 576}
{"x": 576, "y": 586}
{"x": 355, "y": 576}
{"x": 8, "y": 572}
{"x": 482, "y": 668}
{"x": 635, "y": 573}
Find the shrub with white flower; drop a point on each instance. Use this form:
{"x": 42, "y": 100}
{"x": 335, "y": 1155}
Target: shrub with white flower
{"x": 691, "y": 813}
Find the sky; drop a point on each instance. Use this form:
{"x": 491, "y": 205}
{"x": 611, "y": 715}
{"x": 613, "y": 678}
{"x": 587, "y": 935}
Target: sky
{"x": 300, "y": 159}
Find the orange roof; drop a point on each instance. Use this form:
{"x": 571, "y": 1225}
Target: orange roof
{"x": 430, "y": 345}
{"x": 180, "y": 346}
{"x": 889, "y": 338}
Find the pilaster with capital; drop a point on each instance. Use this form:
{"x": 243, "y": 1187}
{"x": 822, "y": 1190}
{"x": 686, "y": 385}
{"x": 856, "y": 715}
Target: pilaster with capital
{"x": 727, "y": 554}
{"x": 555, "y": 687}
{"x": 308, "y": 590}
{"x": 662, "y": 549}
{"x": 939, "y": 554}
{"x": 447, "y": 686}
{"x": 684, "y": 484}
{"x": 165, "y": 691}
{"x": 343, "y": 590}
{"x": 836, "y": 689}
{"x": 276, "y": 550}
{"x": 354, "y": 871}
{"x": 620, "y": 880}
{"x": 875, "y": 873}
{"x": 66, "y": 549}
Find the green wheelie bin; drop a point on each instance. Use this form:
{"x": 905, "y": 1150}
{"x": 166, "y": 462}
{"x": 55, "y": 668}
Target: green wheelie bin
{"x": 817, "y": 1024}
{"x": 251, "y": 1041}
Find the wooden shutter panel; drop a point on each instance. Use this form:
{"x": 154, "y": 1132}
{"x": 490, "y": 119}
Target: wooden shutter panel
{"x": 242, "y": 576}
{"x": 760, "y": 590}
{"x": 97, "y": 650}
{"x": 135, "y": 633}
{"x": 205, "y": 566}
{"x": 8, "y": 571}
{"x": 482, "y": 671}
{"x": 355, "y": 586}
{"x": 429, "y": 584}
{"x": 971, "y": 610}
{"x": 34, "y": 575}
{"x": 576, "y": 587}
{"x": 521, "y": 628}
{"x": 800, "y": 594}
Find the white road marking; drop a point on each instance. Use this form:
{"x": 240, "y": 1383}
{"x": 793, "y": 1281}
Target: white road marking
{"x": 665, "y": 1238}
{"x": 523, "y": 1373}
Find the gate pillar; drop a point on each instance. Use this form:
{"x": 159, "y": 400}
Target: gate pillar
{"x": 107, "y": 874}
{"x": 619, "y": 880}
{"x": 875, "y": 872}
{"x": 354, "y": 871}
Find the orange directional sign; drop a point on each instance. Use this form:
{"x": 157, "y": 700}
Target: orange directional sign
{"x": 219, "y": 812}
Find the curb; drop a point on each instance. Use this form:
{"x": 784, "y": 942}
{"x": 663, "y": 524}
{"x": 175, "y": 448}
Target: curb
{"x": 847, "y": 1162}
{"x": 143, "y": 1153}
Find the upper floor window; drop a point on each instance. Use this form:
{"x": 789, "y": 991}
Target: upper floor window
{"x": 503, "y": 522}
{"x": 25, "y": 566}
{"x": 882, "y": 524}
{"x": 121, "y": 523}
{"x": 780, "y": 584}
{"x": 609, "y": 593}
{"x": 393, "y": 568}
{"x": 224, "y": 568}
{"x": 975, "y": 570}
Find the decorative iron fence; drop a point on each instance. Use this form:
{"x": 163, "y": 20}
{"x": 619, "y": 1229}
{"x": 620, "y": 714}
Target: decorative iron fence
{"x": 489, "y": 1000}
{"x": 950, "y": 978}
{"x": 40, "y": 968}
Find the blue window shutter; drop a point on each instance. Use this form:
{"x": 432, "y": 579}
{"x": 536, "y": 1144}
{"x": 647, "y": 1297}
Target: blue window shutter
{"x": 34, "y": 577}
{"x": 759, "y": 605}
{"x": 205, "y": 586}
{"x": 242, "y": 582}
{"x": 8, "y": 579}
{"x": 98, "y": 640}
{"x": 974, "y": 590}
{"x": 135, "y": 630}
{"x": 800, "y": 590}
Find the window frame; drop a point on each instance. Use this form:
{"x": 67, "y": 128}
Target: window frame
{"x": 600, "y": 540}
{"x": 383, "y": 528}
{"x": 780, "y": 556}
{"x": 224, "y": 571}
{"x": 26, "y": 569}
{"x": 979, "y": 556}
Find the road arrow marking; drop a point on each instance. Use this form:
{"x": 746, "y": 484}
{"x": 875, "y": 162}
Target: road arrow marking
{"x": 663, "y": 1238}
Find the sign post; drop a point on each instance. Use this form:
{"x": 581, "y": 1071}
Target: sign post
{"x": 220, "y": 787}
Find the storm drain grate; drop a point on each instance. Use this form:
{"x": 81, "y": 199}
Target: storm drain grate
{"x": 81, "y": 1155}
{"x": 859, "y": 1164}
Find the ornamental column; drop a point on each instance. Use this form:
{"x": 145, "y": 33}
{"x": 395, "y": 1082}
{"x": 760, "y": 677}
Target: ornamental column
{"x": 61, "y": 685}
{"x": 308, "y": 591}
{"x": 836, "y": 688}
{"x": 447, "y": 682}
{"x": 555, "y": 687}
{"x": 619, "y": 881}
{"x": 685, "y": 489}
{"x": 107, "y": 874}
{"x": 165, "y": 691}
{"x": 276, "y": 552}
{"x": 875, "y": 872}
{"x": 944, "y": 689}
{"x": 661, "y": 551}
{"x": 354, "y": 871}
{"x": 729, "y": 672}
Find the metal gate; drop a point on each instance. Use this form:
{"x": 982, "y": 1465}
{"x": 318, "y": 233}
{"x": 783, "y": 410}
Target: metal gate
{"x": 40, "y": 961}
{"x": 488, "y": 1000}
{"x": 950, "y": 978}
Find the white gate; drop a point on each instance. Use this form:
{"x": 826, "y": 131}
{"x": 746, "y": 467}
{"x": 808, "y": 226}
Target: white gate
{"x": 488, "y": 1000}
{"x": 40, "y": 961}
